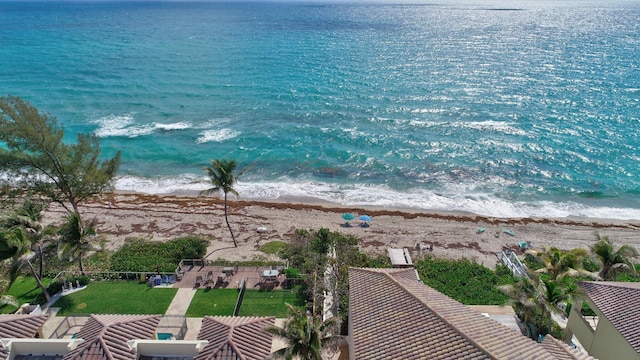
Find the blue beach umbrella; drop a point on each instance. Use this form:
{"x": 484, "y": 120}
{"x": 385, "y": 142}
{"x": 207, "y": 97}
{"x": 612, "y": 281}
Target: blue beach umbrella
{"x": 348, "y": 216}
{"x": 365, "y": 218}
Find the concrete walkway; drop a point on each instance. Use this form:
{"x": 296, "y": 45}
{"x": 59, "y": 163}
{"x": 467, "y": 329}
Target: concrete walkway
{"x": 180, "y": 302}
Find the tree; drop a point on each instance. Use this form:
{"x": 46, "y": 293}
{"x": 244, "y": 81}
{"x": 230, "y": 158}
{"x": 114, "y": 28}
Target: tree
{"x": 222, "y": 177}
{"x": 529, "y": 298}
{"x": 36, "y": 153}
{"x": 18, "y": 239}
{"x": 306, "y": 336}
{"x": 560, "y": 263}
{"x": 613, "y": 261}
{"x": 29, "y": 217}
{"x": 76, "y": 239}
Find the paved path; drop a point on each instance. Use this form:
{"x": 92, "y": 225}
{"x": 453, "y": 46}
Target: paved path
{"x": 180, "y": 302}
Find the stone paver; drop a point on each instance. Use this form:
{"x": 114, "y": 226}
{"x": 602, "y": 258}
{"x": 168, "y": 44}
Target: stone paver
{"x": 180, "y": 302}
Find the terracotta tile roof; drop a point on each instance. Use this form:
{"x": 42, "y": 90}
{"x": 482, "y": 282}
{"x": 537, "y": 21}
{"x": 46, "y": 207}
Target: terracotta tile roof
{"x": 394, "y": 316}
{"x": 106, "y": 336}
{"x": 562, "y": 351}
{"x": 619, "y": 302}
{"x": 19, "y": 326}
{"x": 239, "y": 338}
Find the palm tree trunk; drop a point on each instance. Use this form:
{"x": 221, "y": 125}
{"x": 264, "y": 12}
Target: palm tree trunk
{"x": 41, "y": 257}
{"x": 235, "y": 244}
{"x": 39, "y": 281}
{"x": 80, "y": 263}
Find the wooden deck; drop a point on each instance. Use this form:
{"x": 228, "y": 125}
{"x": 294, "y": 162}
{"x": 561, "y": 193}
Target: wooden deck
{"x": 222, "y": 277}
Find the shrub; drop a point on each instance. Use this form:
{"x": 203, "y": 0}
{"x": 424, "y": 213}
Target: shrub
{"x": 292, "y": 273}
{"x": 465, "y": 281}
{"x": 143, "y": 255}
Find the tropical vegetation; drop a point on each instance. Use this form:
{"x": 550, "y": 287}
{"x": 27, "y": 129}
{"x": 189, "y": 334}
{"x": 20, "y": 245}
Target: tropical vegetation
{"x": 222, "y": 176}
{"x": 551, "y": 286}
{"x": 612, "y": 261}
{"x": 307, "y": 336}
{"x": 464, "y": 280}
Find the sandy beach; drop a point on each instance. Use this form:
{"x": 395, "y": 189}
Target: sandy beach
{"x": 453, "y": 235}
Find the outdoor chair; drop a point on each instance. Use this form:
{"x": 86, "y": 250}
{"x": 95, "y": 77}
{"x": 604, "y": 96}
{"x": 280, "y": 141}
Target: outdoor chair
{"x": 198, "y": 281}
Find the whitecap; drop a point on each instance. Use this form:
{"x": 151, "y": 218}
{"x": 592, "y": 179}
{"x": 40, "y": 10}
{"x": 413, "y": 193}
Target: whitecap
{"x": 216, "y": 135}
{"x": 173, "y": 126}
{"x": 121, "y": 125}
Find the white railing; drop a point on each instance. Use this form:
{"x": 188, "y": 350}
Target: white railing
{"x": 510, "y": 259}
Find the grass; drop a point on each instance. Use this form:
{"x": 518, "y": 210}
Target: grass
{"x": 25, "y": 290}
{"x": 218, "y": 302}
{"x": 117, "y": 297}
{"x": 268, "y": 303}
{"x": 272, "y": 247}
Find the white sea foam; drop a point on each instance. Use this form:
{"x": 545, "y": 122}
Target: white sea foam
{"x": 121, "y": 125}
{"x": 173, "y": 126}
{"x": 213, "y": 135}
{"x": 460, "y": 200}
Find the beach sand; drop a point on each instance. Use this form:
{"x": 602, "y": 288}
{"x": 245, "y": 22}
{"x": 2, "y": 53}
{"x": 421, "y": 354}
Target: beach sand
{"x": 453, "y": 235}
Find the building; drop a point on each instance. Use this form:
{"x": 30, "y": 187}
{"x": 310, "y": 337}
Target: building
{"x": 134, "y": 337}
{"x": 392, "y": 315}
{"x": 616, "y": 333}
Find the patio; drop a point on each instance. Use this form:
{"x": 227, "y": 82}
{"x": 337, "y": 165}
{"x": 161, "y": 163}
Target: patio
{"x": 264, "y": 277}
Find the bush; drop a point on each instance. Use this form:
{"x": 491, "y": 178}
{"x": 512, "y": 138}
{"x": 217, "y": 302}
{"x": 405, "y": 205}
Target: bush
{"x": 465, "y": 281}
{"x": 143, "y": 255}
{"x": 292, "y": 273}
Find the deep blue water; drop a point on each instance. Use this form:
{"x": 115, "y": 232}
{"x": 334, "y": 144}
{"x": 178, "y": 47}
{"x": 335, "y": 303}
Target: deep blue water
{"x": 504, "y": 108}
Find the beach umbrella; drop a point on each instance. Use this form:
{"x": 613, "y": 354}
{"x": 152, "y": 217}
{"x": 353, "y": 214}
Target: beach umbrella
{"x": 365, "y": 218}
{"x": 348, "y": 216}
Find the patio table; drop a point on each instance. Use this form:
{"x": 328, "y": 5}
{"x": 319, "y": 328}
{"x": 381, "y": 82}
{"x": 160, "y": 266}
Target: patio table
{"x": 270, "y": 273}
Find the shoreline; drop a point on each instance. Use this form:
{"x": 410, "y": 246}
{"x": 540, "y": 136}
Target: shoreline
{"x": 121, "y": 215}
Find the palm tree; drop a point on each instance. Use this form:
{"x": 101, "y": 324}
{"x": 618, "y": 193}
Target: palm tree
{"x": 29, "y": 217}
{"x": 536, "y": 301}
{"x": 613, "y": 261}
{"x": 76, "y": 240}
{"x": 560, "y": 263}
{"x": 222, "y": 177}
{"x": 306, "y": 336}
{"x": 20, "y": 242}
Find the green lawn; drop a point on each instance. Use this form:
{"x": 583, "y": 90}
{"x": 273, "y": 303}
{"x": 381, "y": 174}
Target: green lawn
{"x": 25, "y": 290}
{"x": 219, "y": 302}
{"x": 117, "y": 297}
{"x": 268, "y": 303}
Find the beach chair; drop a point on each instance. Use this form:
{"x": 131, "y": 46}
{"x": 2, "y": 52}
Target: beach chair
{"x": 198, "y": 281}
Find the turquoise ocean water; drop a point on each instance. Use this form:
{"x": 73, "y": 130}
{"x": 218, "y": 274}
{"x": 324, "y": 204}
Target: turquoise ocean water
{"x": 502, "y": 108}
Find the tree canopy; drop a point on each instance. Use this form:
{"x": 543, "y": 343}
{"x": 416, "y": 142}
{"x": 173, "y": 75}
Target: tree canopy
{"x": 35, "y": 152}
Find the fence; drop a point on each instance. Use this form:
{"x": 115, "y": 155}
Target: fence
{"x": 243, "y": 288}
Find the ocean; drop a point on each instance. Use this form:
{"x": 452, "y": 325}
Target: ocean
{"x": 498, "y": 108}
